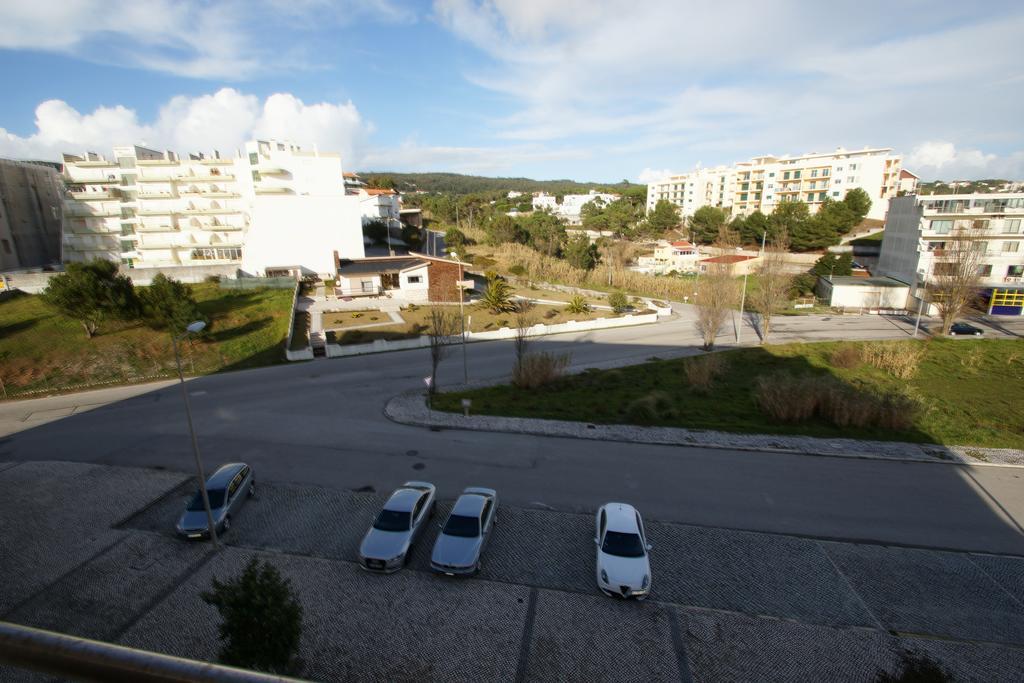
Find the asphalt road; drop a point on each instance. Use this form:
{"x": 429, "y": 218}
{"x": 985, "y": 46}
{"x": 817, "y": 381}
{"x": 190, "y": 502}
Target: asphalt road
{"x": 322, "y": 423}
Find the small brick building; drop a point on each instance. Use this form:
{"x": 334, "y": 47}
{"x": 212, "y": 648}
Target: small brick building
{"x": 414, "y": 277}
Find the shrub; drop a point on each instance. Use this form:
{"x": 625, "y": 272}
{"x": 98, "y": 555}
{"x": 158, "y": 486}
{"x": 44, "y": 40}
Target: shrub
{"x": 656, "y": 406}
{"x": 550, "y": 313}
{"x": 212, "y": 279}
{"x": 261, "y": 619}
{"x": 517, "y": 269}
{"x": 899, "y": 360}
{"x": 537, "y": 369}
{"x": 497, "y": 298}
{"x": 577, "y": 304}
{"x": 845, "y": 357}
{"x": 798, "y": 399}
{"x": 702, "y": 371}
{"x": 617, "y": 300}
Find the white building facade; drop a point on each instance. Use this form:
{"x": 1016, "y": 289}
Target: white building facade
{"x": 571, "y": 205}
{"x": 273, "y": 209}
{"x": 764, "y": 182}
{"x": 919, "y": 226}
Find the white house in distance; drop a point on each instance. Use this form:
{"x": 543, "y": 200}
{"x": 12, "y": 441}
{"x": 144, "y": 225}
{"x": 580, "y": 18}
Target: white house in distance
{"x": 380, "y": 204}
{"x": 571, "y": 205}
{"x": 271, "y": 209}
{"x": 908, "y": 182}
{"x": 680, "y": 256}
{"x": 413, "y": 278}
{"x": 764, "y": 182}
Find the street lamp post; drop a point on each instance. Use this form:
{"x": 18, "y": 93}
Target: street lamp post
{"x": 197, "y": 326}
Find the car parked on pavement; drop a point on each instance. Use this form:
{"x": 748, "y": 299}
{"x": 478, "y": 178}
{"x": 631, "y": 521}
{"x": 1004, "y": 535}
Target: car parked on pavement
{"x": 227, "y": 489}
{"x": 399, "y": 525}
{"x": 464, "y": 536}
{"x": 962, "y": 329}
{"x": 623, "y": 566}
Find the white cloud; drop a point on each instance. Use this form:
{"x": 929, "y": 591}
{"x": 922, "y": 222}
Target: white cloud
{"x": 227, "y": 39}
{"x": 649, "y": 175}
{"x": 412, "y": 156}
{"x": 222, "y": 120}
{"x": 670, "y": 82}
{"x": 942, "y": 160}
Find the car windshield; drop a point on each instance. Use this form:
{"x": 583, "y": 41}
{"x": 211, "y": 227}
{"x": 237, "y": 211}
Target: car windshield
{"x": 623, "y": 545}
{"x": 216, "y": 500}
{"x": 392, "y": 520}
{"x": 460, "y": 525}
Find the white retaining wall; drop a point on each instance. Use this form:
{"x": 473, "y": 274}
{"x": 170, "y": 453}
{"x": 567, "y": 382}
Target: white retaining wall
{"x": 337, "y": 350}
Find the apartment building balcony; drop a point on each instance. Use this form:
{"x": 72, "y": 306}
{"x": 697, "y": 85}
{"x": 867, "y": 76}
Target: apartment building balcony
{"x": 273, "y": 189}
{"x": 156, "y": 212}
{"x": 220, "y": 227}
{"x": 209, "y": 210}
{"x": 162, "y": 227}
{"x": 157, "y": 162}
{"x": 156, "y": 178}
{"x": 98, "y": 213}
{"x": 161, "y": 245}
{"x": 212, "y": 161}
{"x": 199, "y": 192}
{"x": 206, "y": 178}
{"x": 267, "y": 168}
{"x": 155, "y": 195}
{"x": 80, "y": 229}
{"x": 86, "y": 196}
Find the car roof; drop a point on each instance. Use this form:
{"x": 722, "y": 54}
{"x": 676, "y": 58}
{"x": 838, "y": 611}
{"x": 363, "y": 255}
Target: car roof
{"x": 469, "y": 504}
{"x": 621, "y": 517}
{"x": 403, "y": 500}
{"x": 224, "y": 474}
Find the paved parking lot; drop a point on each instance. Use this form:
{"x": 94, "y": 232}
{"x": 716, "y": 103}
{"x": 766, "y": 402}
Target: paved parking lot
{"x": 90, "y": 551}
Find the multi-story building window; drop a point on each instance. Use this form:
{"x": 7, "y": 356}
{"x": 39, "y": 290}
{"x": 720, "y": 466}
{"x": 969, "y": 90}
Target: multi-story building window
{"x": 985, "y": 270}
{"x": 941, "y": 227}
{"x": 1011, "y": 226}
{"x": 1011, "y": 247}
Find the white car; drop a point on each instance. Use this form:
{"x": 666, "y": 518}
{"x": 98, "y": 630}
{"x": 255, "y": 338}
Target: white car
{"x": 623, "y": 567}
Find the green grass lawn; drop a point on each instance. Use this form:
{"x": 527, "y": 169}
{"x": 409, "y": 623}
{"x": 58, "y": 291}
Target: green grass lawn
{"x": 42, "y": 350}
{"x": 971, "y": 393}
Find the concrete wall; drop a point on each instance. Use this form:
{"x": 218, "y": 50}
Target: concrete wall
{"x": 31, "y": 200}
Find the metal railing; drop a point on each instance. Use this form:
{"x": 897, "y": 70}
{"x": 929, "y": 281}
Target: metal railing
{"x": 82, "y": 659}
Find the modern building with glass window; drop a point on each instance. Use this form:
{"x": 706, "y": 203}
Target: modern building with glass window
{"x": 764, "y": 182}
{"x": 272, "y": 209}
{"x": 918, "y": 228}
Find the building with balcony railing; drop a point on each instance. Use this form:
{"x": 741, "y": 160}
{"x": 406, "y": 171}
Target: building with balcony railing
{"x": 269, "y": 204}
{"x": 764, "y": 182}
{"x": 923, "y": 233}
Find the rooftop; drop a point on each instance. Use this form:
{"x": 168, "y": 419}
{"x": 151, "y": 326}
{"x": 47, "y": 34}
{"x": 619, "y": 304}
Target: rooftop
{"x": 854, "y": 281}
{"x": 370, "y": 266}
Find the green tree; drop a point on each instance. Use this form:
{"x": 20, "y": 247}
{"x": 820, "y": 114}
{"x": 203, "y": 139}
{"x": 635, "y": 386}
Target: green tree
{"x": 664, "y": 217}
{"x": 546, "y": 231}
{"x": 706, "y": 223}
{"x": 261, "y": 619}
{"x": 753, "y": 227}
{"x": 580, "y": 253}
{"x": 454, "y": 239}
{"x": 376, "y": 230}
{"x": 858, "y": 202}
{"x": 382, "y": 182}
{"x": 836, "y": 217}
{"x": 833, "y": 265}
{"x": 805, "y": 231}
{"x": 90, "y": 292}
{"x": 168, "y": 304}
{"x": 502, "y": 229}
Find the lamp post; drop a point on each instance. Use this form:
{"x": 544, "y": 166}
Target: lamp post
{"x": 193, "y": 328}
{"x": 462, "y": 315}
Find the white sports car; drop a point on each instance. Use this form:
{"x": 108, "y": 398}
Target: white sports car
{"x": 623, "y": 567}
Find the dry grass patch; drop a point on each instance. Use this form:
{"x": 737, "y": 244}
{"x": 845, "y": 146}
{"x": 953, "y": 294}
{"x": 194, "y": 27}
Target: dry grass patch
{"x": 899, "y": 360}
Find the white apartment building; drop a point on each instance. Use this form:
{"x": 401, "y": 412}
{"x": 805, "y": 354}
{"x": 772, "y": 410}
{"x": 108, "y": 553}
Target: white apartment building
{"x": 272, "y": 209}
{"x": 919, "y": 226}
{"x": 764, "y": 182}
{"x": 571, "y": 205}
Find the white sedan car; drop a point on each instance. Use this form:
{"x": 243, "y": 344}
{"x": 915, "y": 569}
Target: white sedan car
{"x": 623, "y": 568}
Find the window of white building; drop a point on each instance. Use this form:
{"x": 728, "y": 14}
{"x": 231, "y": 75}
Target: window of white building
{"x": 1011, "y": 226}
{"x": 1011, "y": 247}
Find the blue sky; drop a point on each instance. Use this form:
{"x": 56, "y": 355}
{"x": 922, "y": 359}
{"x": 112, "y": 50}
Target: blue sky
{"x": 580, "y": 89}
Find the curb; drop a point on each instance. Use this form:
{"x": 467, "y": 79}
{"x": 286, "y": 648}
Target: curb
{"x": 410, "y": 408}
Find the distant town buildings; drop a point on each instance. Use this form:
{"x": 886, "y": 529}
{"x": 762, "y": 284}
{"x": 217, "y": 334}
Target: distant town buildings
{"x": 273, "y": 209}
{"x": 31, "y": 198}
{"x": 764, "y": 182}
{"x": 908, "y": 182}
{"x": 680, "y": 256}
{"x": 571, "y": 205}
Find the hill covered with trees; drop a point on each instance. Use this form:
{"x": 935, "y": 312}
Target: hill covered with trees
{"x": 456, "y": 183}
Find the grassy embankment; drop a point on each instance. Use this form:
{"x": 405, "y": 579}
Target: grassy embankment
{"x": 41, "y": 350}
{"x": 968, "y": 393}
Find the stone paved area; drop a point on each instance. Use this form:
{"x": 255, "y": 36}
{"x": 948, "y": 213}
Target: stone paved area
{"x": 726, "y": 605}
{"x": 410, "y": 408}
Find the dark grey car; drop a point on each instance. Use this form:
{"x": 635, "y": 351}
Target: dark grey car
{"x": 400, "y": 523}
{"x": 227, "y": 489}
{"x": 465, "y": 534}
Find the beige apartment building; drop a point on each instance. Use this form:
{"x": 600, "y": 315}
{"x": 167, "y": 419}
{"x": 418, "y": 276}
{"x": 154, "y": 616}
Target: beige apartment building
{"x": 764, "y": 182}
